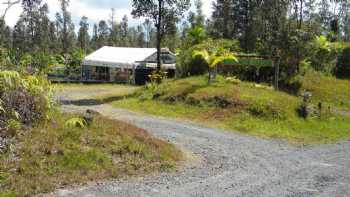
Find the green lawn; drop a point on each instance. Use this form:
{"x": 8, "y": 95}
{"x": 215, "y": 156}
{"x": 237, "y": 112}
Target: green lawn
{"x": 245, "y": 107}
{"x": 51, "y": 155}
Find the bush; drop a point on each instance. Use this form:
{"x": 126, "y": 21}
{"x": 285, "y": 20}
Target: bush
{"x": 23, "y": 99}
{"x": 267, "y": 111}
{"x": 342, "y": 68}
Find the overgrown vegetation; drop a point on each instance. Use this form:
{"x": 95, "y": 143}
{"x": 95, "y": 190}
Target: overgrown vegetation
{"x": 247, "y": 107}
{"x": 54, "y": 153}
{"x": 24, "y": 100}
{"x": 329, "y": 90}
{"x": 42, "y": 149}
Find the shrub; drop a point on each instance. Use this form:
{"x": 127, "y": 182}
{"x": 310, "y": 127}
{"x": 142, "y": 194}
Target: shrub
{"x": 342, "y": 68}
{"x": 266, "y": 110}
{"x": 25, "y": 99}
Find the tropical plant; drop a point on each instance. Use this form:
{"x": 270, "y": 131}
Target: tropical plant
{"x": 323, "y": 54}
{"x": 213, "y": 59}
{"x": 196, "y": 35}
{"x": 26, "y": 99}
{"x": 189, "y": 66}
{"x": 75, "y": 122}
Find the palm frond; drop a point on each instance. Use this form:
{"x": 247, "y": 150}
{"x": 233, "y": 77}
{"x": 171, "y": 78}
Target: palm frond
{"x": 203, "y": 54}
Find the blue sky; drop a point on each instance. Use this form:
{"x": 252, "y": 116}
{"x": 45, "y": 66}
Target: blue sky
{"x": 95, "y": 10}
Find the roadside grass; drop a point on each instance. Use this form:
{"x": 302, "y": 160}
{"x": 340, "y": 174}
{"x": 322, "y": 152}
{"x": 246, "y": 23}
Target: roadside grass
{"x": 98, "y": 92}
{"x": 51, "y": 155}
{"x": 245, "y": 107}
{"x": 330, "y": 90}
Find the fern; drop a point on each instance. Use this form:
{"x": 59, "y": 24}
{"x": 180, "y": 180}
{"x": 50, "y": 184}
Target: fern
{"x": 75, "y": 122}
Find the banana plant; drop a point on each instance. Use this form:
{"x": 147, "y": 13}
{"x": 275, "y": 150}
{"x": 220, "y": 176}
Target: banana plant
{"x": 213, "y": 59}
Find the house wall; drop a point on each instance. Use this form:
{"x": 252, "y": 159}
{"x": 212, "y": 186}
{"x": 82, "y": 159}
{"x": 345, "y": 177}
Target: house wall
{"x": 118, "y": 75}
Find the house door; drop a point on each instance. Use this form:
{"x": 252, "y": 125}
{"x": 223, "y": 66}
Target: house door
{"x": 103, "y": 73}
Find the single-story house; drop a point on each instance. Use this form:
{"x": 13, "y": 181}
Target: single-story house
{"x": 123, "y": 64}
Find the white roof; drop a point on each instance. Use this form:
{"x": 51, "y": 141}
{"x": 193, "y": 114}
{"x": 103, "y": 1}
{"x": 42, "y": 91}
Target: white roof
{"x": 118, "y": 56}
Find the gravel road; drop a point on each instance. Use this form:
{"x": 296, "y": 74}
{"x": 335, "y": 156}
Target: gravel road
{"x": 229, "y": 164}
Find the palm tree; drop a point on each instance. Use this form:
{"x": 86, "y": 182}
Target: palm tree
{"x": 213, "y": 59}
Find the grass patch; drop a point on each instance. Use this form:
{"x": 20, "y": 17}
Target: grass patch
{"x": 98, "y": 92}
{"x": 330, "y": 90}
{"x": 246, "y": 107}
{"x": 52, "y": 155}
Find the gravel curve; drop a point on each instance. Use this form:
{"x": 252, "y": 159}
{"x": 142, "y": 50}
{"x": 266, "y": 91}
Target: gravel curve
{"x": 228, "y": 164}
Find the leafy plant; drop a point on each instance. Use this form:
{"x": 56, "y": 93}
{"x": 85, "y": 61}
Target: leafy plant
{"x": 26, "y": 99}
{"x": 75, "y": 122}
{"x": 189, "y": 66}
{"x": 214, "y": 58}
{"x": 342, "y": 68}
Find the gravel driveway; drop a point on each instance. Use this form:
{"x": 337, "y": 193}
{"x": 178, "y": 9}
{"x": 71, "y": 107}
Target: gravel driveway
{"x": 229, "y": 164}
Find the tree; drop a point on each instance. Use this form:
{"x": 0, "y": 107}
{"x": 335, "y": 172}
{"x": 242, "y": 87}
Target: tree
{"x": 147, "y": 26}
{"x": 53, "y": 44}
{"x": 94, "y": 38}
{"x": 31, "y": 19}
{"x": 114, "y": 38}
{"x": 102, "y": 33}
{"x": 65, "y": 24}
{"x": 42, "y": 36}
{"x": 19, "y": 35}
{"x": 222, "y": 19}
{"x": 140, "y": 36}
{"x": 124, "y": 30}
{"x": 158, "y": 10}
{"x": 83, "y": 34}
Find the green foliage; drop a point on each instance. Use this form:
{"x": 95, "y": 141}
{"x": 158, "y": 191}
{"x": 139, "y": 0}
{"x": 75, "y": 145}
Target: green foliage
{"x": 75, "y": 122}
{"x": 189, "y": 64}
{"x": 267, "y": 111}
{"x": 195, "y": 36}
{"x": 323, "y": 54}
{"x": 233, "y": 80}
{"x": 342, "y": 68}
{"x": 214, "y": 59}
{"x": 24, "y": 98}
{"x": 329, "y": 90}
{"x": 157, "y": 77}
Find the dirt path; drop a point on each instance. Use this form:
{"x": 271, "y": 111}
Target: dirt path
{"x": 229, "y": 164}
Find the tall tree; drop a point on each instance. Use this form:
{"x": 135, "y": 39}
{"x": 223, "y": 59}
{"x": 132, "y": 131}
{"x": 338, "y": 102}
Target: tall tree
{"x": 140, "y": 37}
{"x": 66, "y": 21}
{"x": 31, "y": 18}
{"x": 94, "y": 38}
{"x": 83, "y": 34}
{"x": 222, "y": 19}
{"x": 124, "y": 30}
{"x": 53, "y": 44}
{"x": 19, "y": 41}
{"x": 157, "y": 10}
{"x": 42, "y": 36}
{"x": 147, "y": 26}
{"x": 103, "y": 34}
{"x": 114, "y": 39}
